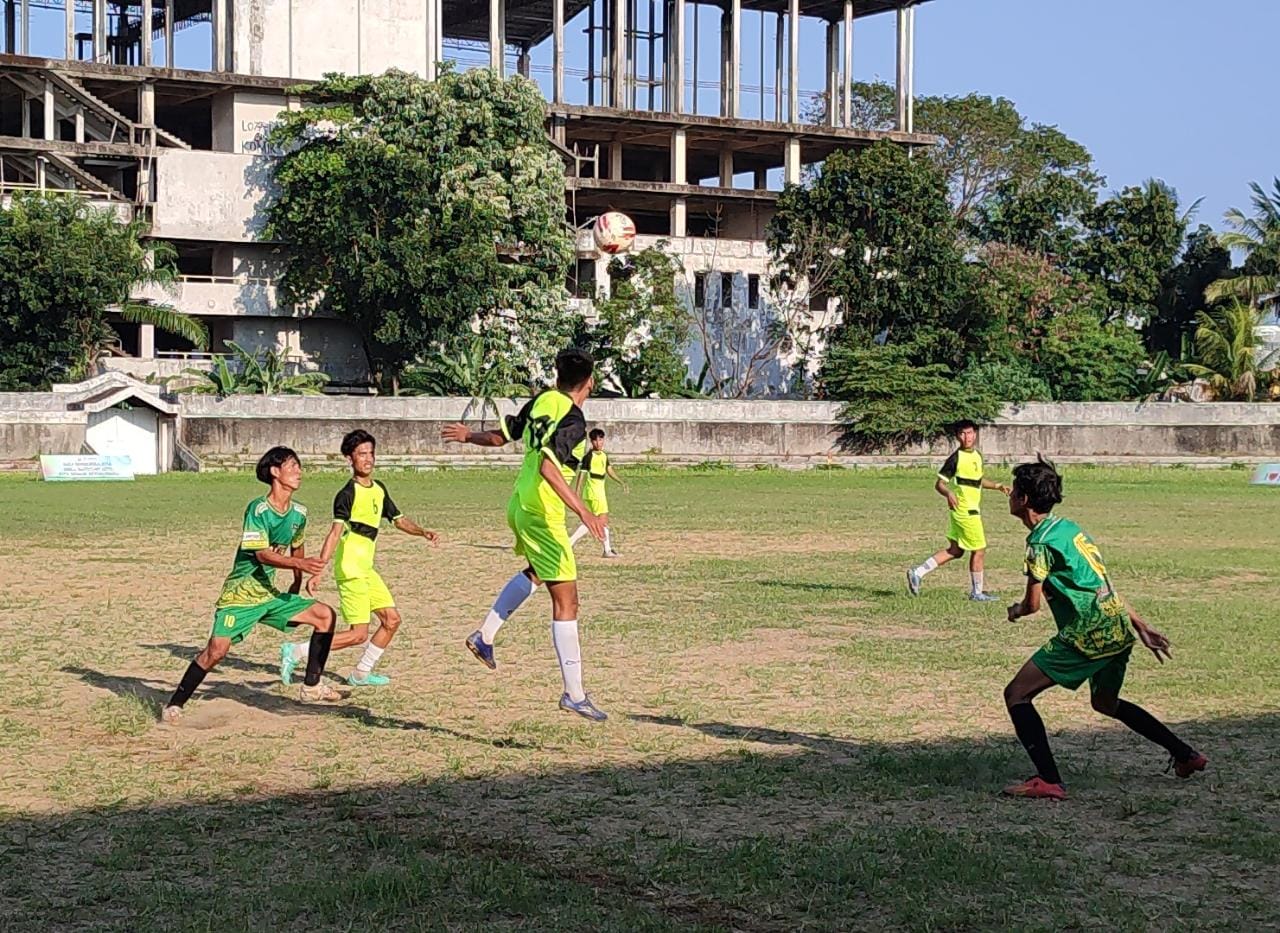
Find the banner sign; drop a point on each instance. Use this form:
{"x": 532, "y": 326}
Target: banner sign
{"x": 60, "y": 468}
{"x": 1267, "y": 474}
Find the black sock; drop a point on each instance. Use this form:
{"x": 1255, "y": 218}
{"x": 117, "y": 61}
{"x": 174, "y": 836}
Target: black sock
{"x": 317, "y": 656}
{"x": 1147, "y": 726}
{"x": 190, "y": 680}
{"x": 1030, "y": 728}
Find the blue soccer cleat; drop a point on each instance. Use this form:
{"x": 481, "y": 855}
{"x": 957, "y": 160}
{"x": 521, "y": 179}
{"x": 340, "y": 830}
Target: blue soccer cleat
{"x": 584, "y": 708}
{"x": 913, "y": 583}
{"x": 289, "y": 661}
{"x": 483, "y": 652}
{"x": 983, "y": 597}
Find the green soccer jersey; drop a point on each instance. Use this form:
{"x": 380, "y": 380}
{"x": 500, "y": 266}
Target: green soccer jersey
{"x": 250, "y": 581}
{"x": 963, "y": 472}
{"x": 550, "y": 426}
{"x": 1089, "y": 615}
{"x": 360, "y": 510}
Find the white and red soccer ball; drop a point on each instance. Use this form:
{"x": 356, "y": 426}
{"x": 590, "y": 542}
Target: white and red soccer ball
{"x": 613, "y": 232}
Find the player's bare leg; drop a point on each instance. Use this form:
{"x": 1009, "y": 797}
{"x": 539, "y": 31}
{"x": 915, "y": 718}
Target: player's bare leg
{"x": 388, "y": 624}
{"x": 977, "y": 563}
{"x": 917, "y": 574}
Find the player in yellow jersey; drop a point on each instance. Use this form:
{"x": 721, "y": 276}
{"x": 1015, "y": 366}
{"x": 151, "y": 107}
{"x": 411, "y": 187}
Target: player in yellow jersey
{"x": 359, "y": 508}
{"x": 960, "y": 482}
{"x": 592, "y": 472}
{"x": 551, "y": 426}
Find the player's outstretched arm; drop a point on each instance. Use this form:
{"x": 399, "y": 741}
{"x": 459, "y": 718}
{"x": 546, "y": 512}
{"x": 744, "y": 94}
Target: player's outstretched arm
{"x": 550, "y": 472}
{"x": 613, "y": 475}
{"x": 326, "y": 553}
{"x": 1155, "y": 641}
{"x": 410, "y": 527}
{"x": 1001, "y": 487}
{"x": 459, "y": 433}
{"x": 1030, "y": 603}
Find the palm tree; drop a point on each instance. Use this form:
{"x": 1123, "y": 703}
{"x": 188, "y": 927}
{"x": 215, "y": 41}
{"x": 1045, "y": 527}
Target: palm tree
{"x": 264, "y": 372}
{"x": 1259, "y": 238}
{"x": 1227, "y": 352}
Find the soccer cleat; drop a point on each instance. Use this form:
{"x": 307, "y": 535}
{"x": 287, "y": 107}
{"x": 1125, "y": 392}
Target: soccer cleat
{"x": 913, "y": 583}
{"x": 1037, "y": 787}
{"x": 983, "y": 597}
{"x": 1184, "y": 769}
{"x": 289, "y": 661}
{"x": 356, "y": 679}
{"x": 611, "y": 554}
{"x": 320, "y": 693}
{"x": 170, "y": 715}
{"x": 584, "y": 708}
{"x": 483, "y": 652}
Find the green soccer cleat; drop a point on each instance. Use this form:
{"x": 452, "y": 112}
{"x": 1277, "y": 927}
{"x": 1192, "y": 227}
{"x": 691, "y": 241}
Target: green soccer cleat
{"x": 289, "y": 662}
{"x": 356, "y": 679}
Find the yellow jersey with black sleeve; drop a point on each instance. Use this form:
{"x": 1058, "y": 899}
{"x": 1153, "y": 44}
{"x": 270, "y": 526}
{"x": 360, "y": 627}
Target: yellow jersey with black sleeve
{"x": 360, "y": 510}
{"x": 550, "y": 426}
{"x": 251, "y": 582}
{"x": 963, "y": 473}
{"x": 596, "y": 465}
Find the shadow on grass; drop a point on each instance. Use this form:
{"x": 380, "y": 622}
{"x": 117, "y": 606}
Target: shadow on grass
{"x": 249, "y": 695}
{"x": 230, "y": 663}
{"x": 857, "y": 589}
{"x": 882, "y": 836}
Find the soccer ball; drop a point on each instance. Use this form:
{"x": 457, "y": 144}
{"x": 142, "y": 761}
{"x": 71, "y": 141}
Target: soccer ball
{"x": 614, "y": 232}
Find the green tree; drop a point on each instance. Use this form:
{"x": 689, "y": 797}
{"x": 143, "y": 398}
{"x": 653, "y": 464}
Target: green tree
{"x": 64, "y": 268}
{"x": 1257, "y": 281}
{"x": 415, "y": 209}
{"x": 644, "y": 326}
{"x": 1227, "y": 352}
{"x": 261, "y": 372}
{"x": 1129, "y": 247}
{"x": 1084, "y": 360}
{"x": 1182, "y": 292}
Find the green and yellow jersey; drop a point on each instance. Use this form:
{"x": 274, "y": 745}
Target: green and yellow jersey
{"x": 1089, "y": 615}
{"x": 250, "y": 581}
{"x": 360, "y": 510}
{"x": 963, "y": 473}
{"x": 550, "y": 426}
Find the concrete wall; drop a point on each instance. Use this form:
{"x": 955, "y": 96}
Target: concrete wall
{"x": 33, "y": 423}
{"x": 210, "y": 196}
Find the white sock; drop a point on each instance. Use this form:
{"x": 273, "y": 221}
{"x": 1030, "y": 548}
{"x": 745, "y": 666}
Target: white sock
{"x": 926, "y": 567}
{"x": 564, "y": 635}
{"x": 518, "y": 589}
{"x": 300, "y": 650}
{"x": 977, "y": 582}
{"x": 608, "y": 542}
{"x": 578, "y": 535}
{"x": 372, "y": 653}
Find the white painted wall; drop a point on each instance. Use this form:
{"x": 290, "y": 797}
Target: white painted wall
{"x": 210, "y": 196}
{"x": 126, "y": 431}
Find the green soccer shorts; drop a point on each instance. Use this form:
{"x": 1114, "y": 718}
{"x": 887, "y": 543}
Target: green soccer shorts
{"x": 1067, "y": 667}
{"x": 234, "y": 622}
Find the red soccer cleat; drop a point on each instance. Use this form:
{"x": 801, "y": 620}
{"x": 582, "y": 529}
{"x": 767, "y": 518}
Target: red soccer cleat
{"x": 1037, "y": 787}
{"x": 1184, "y": 769}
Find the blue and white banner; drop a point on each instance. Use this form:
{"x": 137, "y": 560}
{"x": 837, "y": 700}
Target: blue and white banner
{"x": 63, "y": 468}
{"x": 1267, "y": 474}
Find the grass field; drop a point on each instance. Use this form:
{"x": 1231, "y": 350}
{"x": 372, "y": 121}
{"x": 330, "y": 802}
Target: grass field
{"x": 793, "y": 742}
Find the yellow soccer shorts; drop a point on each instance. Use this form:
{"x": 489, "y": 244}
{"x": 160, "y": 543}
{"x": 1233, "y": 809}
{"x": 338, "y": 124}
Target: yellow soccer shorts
{"x": 359, "y": 597}
{"x": 598, "y": 503}
{"x": 543, "y": 543}
{"x": 965, "y": 529}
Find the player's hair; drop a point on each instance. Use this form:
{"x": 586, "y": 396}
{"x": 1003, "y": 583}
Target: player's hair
{"x": 354, "y": 439}
{"x": 275, "y": 457}
{"x": 962, "y": 425}
{"x": 1039, "y": 483}
{"x": 595, "y": 432}
{"x": 573, "y": 368}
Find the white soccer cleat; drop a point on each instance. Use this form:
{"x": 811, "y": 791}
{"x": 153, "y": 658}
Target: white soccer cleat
{"x": 320, "y": 693}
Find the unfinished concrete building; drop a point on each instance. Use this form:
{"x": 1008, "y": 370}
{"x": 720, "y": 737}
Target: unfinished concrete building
{"x": 160, "y": 109}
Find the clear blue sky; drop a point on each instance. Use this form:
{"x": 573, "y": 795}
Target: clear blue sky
{"x": 1181, "y": 90}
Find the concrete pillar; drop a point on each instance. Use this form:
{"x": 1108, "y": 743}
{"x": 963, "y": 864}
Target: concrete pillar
{"x": 735, "y": 58}
{"x": 147, "y": 104}
{"x": 679, "y": 217}
{"x": 41, "y": 176}
{"x": 778, "y": 36}
{"x": 846, "y": 86}
{"x": 100, "y": 31}
{"x": 26, "y": 115}
{"x": 557, "y": 51}
{"x": 833, "y": 74}
{"x": 147, "y": 341}
{"x": 791, "y": 164}
{"x": 80, "y": 124}
{"x": 146, "y": 31}
{"x": 522, "y": 61}
{"x": 911, "y": 69}
{"x": 615, "y": 160}
{"x": 429, "y": 62}
{"x": 760, "y": 180}
{"x": 900, "y": 81}
{"x": 50, "y": 118}
{"x": 70, "y": 8}
{"x": 168, "y": 34}
{"x": 220, "y": 35}
{"x": 10, "y": 28}
{"x": 497, "y": 12}
{"x": 679, "y": 157}
{"x": 24, "y": 27}
{"x": 675, "y": 63}
{"x": 618, "y": 61}
{"x": 726, "y": 168}
{"x": 793, "y": 62}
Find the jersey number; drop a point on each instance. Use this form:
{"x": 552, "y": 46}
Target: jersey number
{"x": 1089, "y": 551}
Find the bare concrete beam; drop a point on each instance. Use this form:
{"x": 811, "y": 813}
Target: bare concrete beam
{"x": 679, "y": 217}
{"x": 50, "y": 119}
{"x": 117, "y": 150}
{"x": 615, "y": 160}
{"x": 726, "y": 168}
{"x": 100, "y": 31}
{"x": 169, "y": 60}
{"x": 219, "y": 15}
{"x": 496, "y": 12}
{"x": 779, "y": 32}
{"x": 146, "y": 32}
{"x": 679, "y": 157}
{"x": 911, "y": 69}
{"x": 70, "y": 12}
{"x": 793, "y": 62}
{"x": 675, "y": 67}
{"x": 618, "y": 77}
{"x": 80, "y": 123}
{"x": 557, "y": 51}
{"x": 735, "y": 58}
{"x": 791, "y": 163}
{"x": 24, "y": 27}
{"x": 846, "y": 89}
{"x": 900, "y": 80}
{"x": 523, "y": 63}
{"x": 833, "y": 74}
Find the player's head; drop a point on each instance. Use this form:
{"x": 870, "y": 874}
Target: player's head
{"x": 573, "y": 371}
{"x": 597, "y": 439}
{"x": 359, "y": 447}
{"x": 965, "y": 433}
{"x": 280, "y": 465}
{"x": 1037, "y": 487}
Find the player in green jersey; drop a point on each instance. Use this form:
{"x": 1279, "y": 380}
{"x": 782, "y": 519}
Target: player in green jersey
{"x": 273, "y": 525}
{"x": 358, "y": 509}
{"x": 551, "y": 426}
{"x": 593, "y": 470}
{"x": 1095, "y": 633}
{"x": 960, "y": 482}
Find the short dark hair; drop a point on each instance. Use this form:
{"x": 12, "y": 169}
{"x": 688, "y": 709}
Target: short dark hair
{"x": 962, "y": 424}
{"x": 595, "y": 432}
{"x": 573, "y": 368}
{"x": 275, "y": 457}
{"x": 1039, "y": 483}
{"x": 354, "y": 439}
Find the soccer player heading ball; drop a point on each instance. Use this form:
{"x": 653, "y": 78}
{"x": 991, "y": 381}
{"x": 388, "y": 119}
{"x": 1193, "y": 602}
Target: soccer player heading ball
{"x": 1095, "y": 633}
{"x": 960, "y": 482}
{"x": 551, "y": 426}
